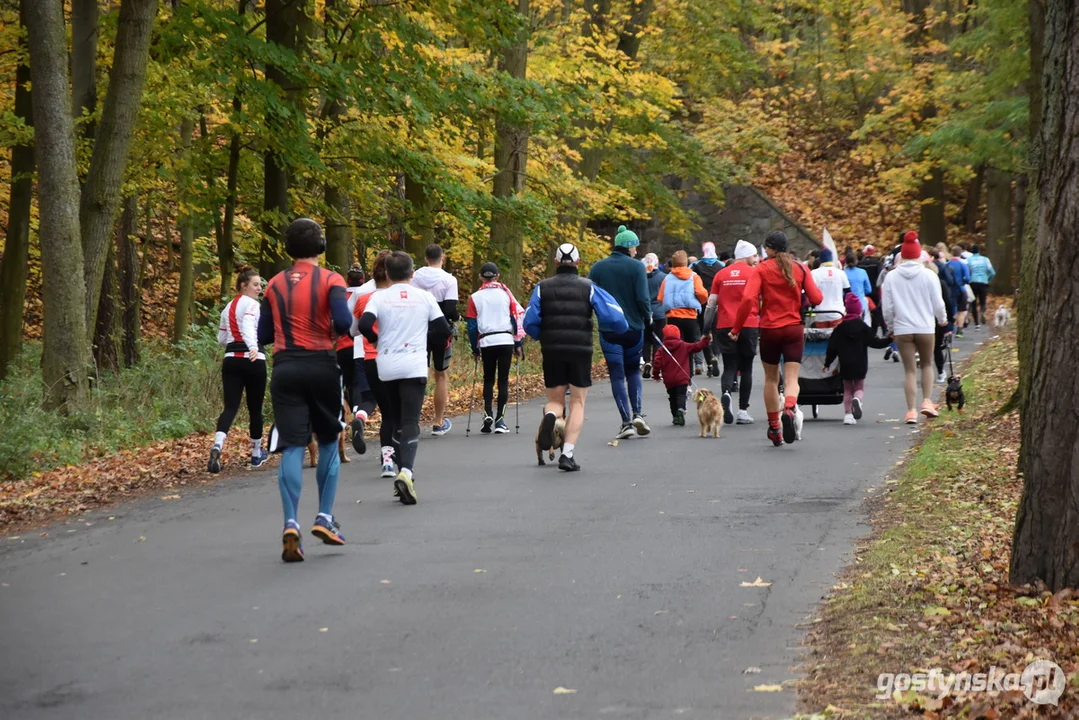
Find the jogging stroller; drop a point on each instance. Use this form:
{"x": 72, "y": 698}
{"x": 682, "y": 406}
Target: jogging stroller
{"x": 817, "y": 386}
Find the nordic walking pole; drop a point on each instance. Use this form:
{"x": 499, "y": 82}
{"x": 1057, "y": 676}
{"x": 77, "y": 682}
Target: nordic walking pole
{"x": 472, "y": 396}
{"x": 517, "y": 408}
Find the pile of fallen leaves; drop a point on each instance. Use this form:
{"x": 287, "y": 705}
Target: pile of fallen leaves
{"x": 169, "y": 467}
{"x": 930, "y": 588}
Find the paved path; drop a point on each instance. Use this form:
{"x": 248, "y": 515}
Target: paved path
{"x": 507, "y": 581}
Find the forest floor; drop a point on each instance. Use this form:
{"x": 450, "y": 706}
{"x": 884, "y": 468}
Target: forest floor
{"x": 929, "y": 587}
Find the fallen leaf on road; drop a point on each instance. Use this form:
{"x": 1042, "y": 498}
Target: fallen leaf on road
{"x": 564, "y": 691}
{"x": 767, "y": 688}
{"x": 751, "y": 671}
{"x": 142, "y": 538}
{"x": 613, "y": 443}
{"x": 170, "y": 497}
{"x": 384, "y": 582}
{"x": 253, "y": 640}
{"x": 756, "y": 583}
{"x": 478, "y": 570}
{"x": 323, "y": 629}
{"x": 661, "y": 612}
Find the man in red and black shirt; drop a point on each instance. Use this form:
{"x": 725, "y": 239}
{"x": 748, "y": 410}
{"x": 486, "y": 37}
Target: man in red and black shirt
{"x": 304, "y": 311}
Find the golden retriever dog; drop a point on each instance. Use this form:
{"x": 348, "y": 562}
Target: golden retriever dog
{"x": 709, "y": 412}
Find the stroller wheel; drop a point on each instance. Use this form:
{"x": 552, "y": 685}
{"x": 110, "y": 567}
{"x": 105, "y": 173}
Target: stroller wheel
{"x": 815, "y": 413}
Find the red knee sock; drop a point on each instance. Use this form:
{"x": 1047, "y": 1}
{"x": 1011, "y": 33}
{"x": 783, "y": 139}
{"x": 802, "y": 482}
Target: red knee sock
{"x": 773, "y": 419}
{"x": 791, "y": 402}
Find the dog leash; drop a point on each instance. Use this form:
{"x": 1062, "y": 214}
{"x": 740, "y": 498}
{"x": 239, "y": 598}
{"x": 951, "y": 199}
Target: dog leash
{"x": 690, "y": 388}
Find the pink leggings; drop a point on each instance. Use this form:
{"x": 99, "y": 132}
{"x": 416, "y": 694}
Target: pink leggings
{"x": 852, "y": 389}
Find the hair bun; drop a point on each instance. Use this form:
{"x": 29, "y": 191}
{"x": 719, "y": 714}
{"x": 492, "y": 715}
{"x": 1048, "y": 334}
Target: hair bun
{"x": 243, "y": 269}
{"x": 355, "y": 267}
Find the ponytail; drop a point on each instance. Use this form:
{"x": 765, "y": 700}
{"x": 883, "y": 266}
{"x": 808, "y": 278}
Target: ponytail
{"x": 786, "y": 266}
{"x": 244, "y": 275}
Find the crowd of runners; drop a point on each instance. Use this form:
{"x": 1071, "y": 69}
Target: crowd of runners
{"x": 346, "y": 346}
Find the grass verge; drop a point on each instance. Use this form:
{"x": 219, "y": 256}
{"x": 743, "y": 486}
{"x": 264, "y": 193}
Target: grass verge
{"x": 929, "y": 587}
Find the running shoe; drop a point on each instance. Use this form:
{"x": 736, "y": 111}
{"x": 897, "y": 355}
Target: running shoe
{"x": 911, "y": 418}
{"x": 406, "y": 490}
{"x": 728, "y": 416}
{"x": 291, "y": 547}
{"x": 646, "y": 371}
{"x": 640, "y": 425}
{"x": 568, "y": 464}
{"x": 799, "y": 420}
{"x": 848, "y": 419}
{"x": 440, "y": 430}
{"x": 500, "y": 426}
{"x": 895, "y": 357}
{"x": 680, "y": 418}
{"x": 488, "y": 423}
{"x": 744, "y": 418}
{"x": 713, "y": 369}
{"x": 214, "y": 465}
{"x": 775, "y": 436}
{"x": 929, "y": 409}
{"x": 977, "y": 326}
{"x": 626, "y": 431}
{"x": 698, "y": 370}
{"x": 856, "y": 408}
{"x": 546, "y": 433}
{"x": 941, "y": 379}
{"x": 389, "y": 470}
{"x": 359, "y": 442}
{"x": 959, "y": 333}
{"x": 260, "y": 459}
{"x": 329, "y": 531}
{"x": 888, "y": 353}
{"x": 787, "y": 420}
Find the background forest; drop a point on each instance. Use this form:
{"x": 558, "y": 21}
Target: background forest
{"x": 175, "y": 140}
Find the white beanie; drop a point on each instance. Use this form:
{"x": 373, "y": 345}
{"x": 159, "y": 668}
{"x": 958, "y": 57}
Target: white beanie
{"x": 651, "y": 261}
{"x": 744, "y": 250}
{"x": 708, "y": 250}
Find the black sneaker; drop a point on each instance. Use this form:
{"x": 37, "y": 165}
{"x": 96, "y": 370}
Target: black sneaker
{"x": 888, "y": 353}
{"x": 359, "y": 442}
{"x": 680, "y": 418}
{"x": 728, "y": 416}
{"x": 260, "y": 459}
{"x": 856, "y": 408}
{"x": 546, "y": 433}
{"x": 214, "y": 465}
{"x": 646, "y": 371}
{"x": 488, "y": 423}
{"x": 787, "y": 420}
{"x": 640, "y": 425}
{"x": 626, "y": 431}
{"x": 713, "y": 369}
{"x": 568, "y": 464}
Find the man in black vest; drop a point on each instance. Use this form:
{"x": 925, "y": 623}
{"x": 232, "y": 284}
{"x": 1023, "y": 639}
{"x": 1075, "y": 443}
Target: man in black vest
{"x": 559, "y": 315}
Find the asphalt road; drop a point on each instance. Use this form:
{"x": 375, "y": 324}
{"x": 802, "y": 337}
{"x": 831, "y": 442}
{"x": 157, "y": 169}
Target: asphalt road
{"x": 507, "y": 581}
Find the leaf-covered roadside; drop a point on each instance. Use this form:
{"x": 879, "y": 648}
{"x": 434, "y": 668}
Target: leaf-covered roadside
{"x": 930, "y": 589}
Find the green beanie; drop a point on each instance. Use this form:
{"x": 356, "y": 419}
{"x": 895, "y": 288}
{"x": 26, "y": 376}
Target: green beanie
{"x": 626, "y": 238}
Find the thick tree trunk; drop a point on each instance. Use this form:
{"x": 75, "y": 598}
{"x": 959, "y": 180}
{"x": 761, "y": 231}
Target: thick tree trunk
{"x": 66, "y": 350}
{"x": 225, "y": 245}
{"x": 130, "y": 270}
{"x": 998, "y": 228}
{"x": 187, "y": 254}
{"x": 1019, "y": 227}
{"x": 84, "y": 34}
{"x": 420, "y": 225}
{"x": 106, "y": 342}
{"x": 17, "y": 243}
{"x": 933, "y": 227}
{"x": 101, "y": 193}
{"x": 974, "y": 200}
{"x": 338, "y": 228}
{"x": 1046, "y": 540}
{"x": 511, "y": 159}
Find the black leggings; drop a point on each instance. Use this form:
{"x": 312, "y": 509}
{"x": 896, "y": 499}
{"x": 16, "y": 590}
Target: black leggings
{"x": 677, "y": 396}
{"x": 404, "y": 401}
{"x": 498, "y": 357}
{"x": 689, "y": 328}
{"x": 650, "y": 345}
{"x": 938, "y": 349}
{"x": 347, "y": 365}
{"x": 709, "y": 350}
{"x": 734, "y": 363}
{"x": 238, "y": 374}
{"x": 977, "y": 308}
{"x": 378, "y": 393}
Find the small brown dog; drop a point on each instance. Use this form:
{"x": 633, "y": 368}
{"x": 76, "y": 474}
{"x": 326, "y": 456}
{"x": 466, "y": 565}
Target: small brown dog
{"x": 709, "y": 412}
{"x": 312, "y": 447}
{"x": 559, "y": 440}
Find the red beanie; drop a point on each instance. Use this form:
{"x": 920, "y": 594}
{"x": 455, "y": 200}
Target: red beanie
{"x": 912, "y": 249}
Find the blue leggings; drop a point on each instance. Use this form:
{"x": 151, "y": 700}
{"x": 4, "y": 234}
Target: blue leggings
{"x": 290, "y": 478}
{"x": 623, "y": 355}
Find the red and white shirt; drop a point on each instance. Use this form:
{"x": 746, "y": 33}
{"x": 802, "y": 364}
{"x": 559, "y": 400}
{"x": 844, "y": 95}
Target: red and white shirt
{"x": 239, "y": 327}
{"x": 496, "y": 311}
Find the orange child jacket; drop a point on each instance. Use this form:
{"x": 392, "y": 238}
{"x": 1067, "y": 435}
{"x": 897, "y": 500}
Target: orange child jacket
{"x": 683, "y": 273}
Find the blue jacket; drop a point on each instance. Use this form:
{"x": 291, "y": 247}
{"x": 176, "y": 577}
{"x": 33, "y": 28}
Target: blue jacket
{"x": 859, "y": 282}
{"x": 981, "y": 269}
{"x": 680, "y": 293}
{"x": 960, "y": 270}
{"x": 627, "y": 282}
{"x": 610, "y": 315}
{"x": 655, "y": 279}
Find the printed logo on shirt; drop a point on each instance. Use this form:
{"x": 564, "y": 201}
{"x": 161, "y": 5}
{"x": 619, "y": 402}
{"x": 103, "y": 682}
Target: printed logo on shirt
{"x": 296, "y": 276}
{"x": 735, "y": 273}
{"x": 404, "y": 294}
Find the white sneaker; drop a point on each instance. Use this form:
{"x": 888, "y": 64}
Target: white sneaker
{"x": 941, "y": 379}
{"x": 388, "y": 470}
{"x": 799, "y": 418}
{"x": 848, "y": 419}
{"x": 856, "y": 408}
{"x": 744, "y": 418}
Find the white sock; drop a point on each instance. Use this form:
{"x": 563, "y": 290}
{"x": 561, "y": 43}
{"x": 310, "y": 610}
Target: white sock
{"x": 567, "y": 449}
{"x": 387, "y": 454}
{"x": 219, "y": 440}
{"x": 328, "y": 518}
{"x": 256, "y": 447}
{"x": 361, "y": 414}
{"x": 407, "y": 473}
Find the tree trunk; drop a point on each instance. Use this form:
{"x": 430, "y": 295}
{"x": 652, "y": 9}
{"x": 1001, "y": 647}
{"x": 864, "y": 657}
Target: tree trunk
{"x": 420, "y": 225}
{"x": 106, "y": 342}
{"x": 66, "y": 351}
{"x": 511, "y": 158}
{"x": 998, "y": 228}
{"x": 187, "y": 253}
{"x": 225, "y": 252}
{"x": 932, "y": 228}
{"x": 1046, "y": 541}
{"x": 84, "y": 34}
{"x": 17, "y": 243}
{"x": 974, "y": 200}
{"x": 101, "y": 194}
{"x": 338, "y": 228}
{"x": 1019, "y": 228}
{"x": 130, "y": 270}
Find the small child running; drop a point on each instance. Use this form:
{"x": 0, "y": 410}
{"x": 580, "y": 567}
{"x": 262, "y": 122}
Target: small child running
{"x": 849, "y": 343}
{"x": 672, "y": 366}
{"x": 495, "y": 332}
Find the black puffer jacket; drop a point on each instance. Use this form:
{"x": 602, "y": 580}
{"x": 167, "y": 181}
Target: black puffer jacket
{"x": 566, "y": 307}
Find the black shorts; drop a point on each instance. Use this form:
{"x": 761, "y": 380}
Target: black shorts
{"x": 786, "y": 342}
{"x": 961, "y": 300}
{"x": 307, "y": 398}
{"x": 561, "y": 371}
{"x": 746, "y": 344}
{"x": 440, "y": 358}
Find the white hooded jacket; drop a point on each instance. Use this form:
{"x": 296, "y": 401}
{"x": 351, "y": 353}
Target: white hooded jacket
{"x": 911, "y": 300}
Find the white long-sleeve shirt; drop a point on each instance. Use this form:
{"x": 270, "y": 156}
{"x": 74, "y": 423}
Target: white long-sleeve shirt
{"x": 911, "y": 300}
{"x": 239, "y": 324}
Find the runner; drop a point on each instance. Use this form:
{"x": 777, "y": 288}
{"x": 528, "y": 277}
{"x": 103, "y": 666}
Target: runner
{"x": 443, "y": 287}
{"x": 723, "y": 304}
{"x": 859, "y": 283}
{"x": 559, "y": 315}
{"x": 834, "y": 285}
{"x": 409, "y": 320}
{"x": 981, "y": 273}
{"x": 368, "y": 388}
{"x": 684, "y": 294}
{"x": 495, "y": 331}
{"x": 706, "y": 268}
{"x": 244, "y": 367}
{"x": 962, "y": 279}
{"x": 303, "y": 309}
{"x": 776, "y": 287}
{"x": 659, "y": 313}
{"x": 626, "y": 281}
{"x": 346, "y": 353}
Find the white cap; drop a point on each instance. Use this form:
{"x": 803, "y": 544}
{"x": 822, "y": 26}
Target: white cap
{"x": 966, "y": 254}
{"x": 650, "y": 260}
{"x": 567, "y": 254}
{"x": 708, "y": 249}
{"x": 744, "y": 250}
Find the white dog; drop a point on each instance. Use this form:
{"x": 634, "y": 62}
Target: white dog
{"x": 1002, "y": 316}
